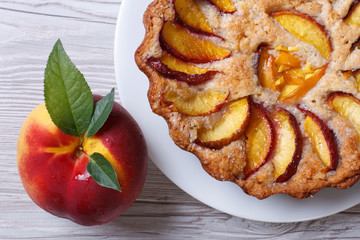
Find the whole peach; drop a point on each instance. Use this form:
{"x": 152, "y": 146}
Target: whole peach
{"x": 52, "y": 166}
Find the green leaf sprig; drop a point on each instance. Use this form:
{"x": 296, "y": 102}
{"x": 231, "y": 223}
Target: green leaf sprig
{"x": 70, "y": 103}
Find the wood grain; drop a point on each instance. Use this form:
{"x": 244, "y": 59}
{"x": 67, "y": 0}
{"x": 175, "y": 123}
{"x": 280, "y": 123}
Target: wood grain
{"x": 29, "y": 28}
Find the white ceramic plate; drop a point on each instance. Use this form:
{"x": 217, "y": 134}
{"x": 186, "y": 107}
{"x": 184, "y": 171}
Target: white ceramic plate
{"x": 183, "y": 168}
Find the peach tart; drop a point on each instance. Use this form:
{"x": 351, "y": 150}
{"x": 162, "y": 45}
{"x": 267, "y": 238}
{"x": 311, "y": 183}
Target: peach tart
{"x": 265, "y": 93}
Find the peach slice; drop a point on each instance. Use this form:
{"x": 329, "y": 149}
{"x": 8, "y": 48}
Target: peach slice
{"x": 353, "y": 16}
{"x": 347, "y": 74}
{"x": 266, "y": 68}
{"x": 283, "y": 68}
{"x": 195, "y": 104}
{"x": 306, "y": 29}
{"x": 294, "y": 76}
{"x": 356, "y": 74}
{"x": 273, "y": 77}
{"x": 190, "y": 47}
{"x": 286, "y": 49}
{"x": 322, "y": 139}
{"x": 225, "y": 6}
{"x": 347, "y": 106}
{"x": 173, "y": 68}
{"x": 353, "y": 73}
{"x": 260, "y": 140}
{"x": 292, "y": 93}
{"x": 229, "y": 128}
{"x": 280, "y": 82}
{"x": 288, "y": 59}
{"x": 288, "y": 146}
{"x": 191, "y": 15}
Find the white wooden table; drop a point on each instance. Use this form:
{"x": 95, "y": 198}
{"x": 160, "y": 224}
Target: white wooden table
{"x": 28, "y": 30}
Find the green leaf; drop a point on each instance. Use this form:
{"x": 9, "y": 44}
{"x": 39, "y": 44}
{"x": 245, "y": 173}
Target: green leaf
{"x": 68, "y": 97}
{"x": 101, "y": 170}
{"x": 101, "y": 113}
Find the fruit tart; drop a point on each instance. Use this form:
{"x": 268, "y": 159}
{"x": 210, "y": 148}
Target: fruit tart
{"x": 265, "y": 93}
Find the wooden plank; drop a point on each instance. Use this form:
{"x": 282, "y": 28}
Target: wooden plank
{"x": 162, "y": 211}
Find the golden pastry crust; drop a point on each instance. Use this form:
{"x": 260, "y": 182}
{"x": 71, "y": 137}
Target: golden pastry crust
{"x": 243, "y": 32}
